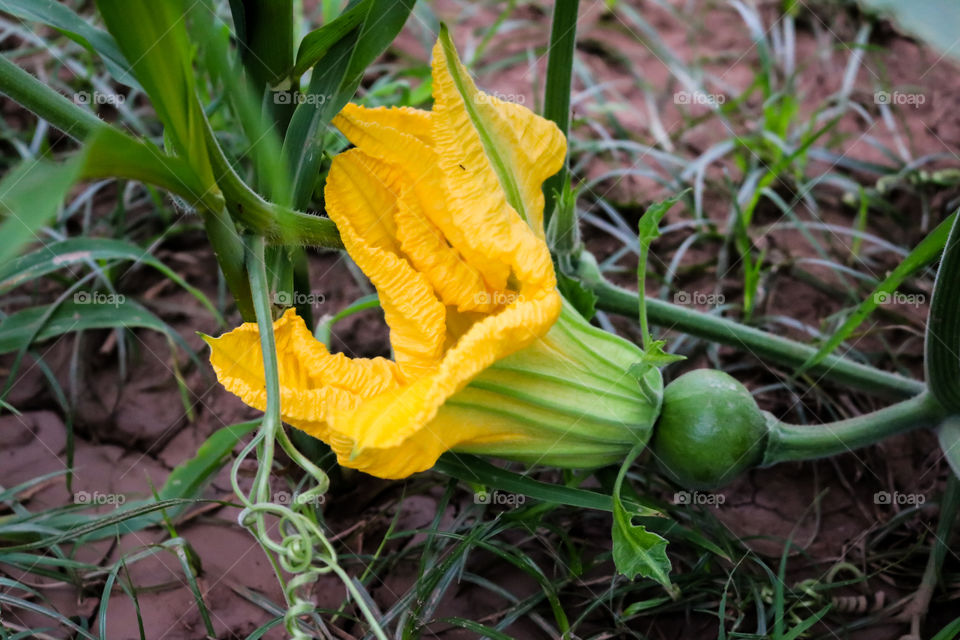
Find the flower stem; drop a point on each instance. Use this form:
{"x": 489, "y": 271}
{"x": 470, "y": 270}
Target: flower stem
{"x": 806, "y": 442}
{"x": 764, "y": 345}
{"x": 556, "y": 103}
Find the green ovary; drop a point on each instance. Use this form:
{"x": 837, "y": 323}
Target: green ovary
{"x": 566, "y": 400}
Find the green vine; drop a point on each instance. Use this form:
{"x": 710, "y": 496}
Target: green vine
{"x": 302, "y": 549}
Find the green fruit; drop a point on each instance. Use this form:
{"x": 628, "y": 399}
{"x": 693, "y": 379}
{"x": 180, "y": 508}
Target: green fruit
{"x": 710, "y": 430}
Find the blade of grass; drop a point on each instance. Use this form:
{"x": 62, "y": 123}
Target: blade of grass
{"x": 923, "y": 254}
{"x": 63, "y": 19}
{"x": 333, "y": 84}
{"x": 58, "y": 255}
{"x": 28, "y": 325}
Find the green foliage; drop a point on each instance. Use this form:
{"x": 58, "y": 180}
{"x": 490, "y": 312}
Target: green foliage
{"x": 943, "y": 326}
{"x": 637, "y": 551}
{"x": 250, "y": 164}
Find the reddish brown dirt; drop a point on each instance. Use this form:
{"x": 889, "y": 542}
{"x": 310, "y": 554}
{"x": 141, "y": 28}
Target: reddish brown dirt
{"x": 132, "y": 432}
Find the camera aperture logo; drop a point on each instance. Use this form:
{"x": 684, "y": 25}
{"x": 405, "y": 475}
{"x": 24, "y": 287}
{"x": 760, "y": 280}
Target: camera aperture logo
{"x": 98, "y": 498}
{"x": 501, "y": 498}
{"x": 899, "y": 98}
{"x": 99, "y": 297}
{"x": 298, "y": 298}
{"x": 699, "y": 298}
{"x": 286, "y": 498}
{"x": 295, "y": 97}
{"x": 497, "y": 97}
{"x": 897, "y": 498}
{"x": 499, "y": 298}
{"x": 99, "y": 97}
{"x": 895, "y": 297}
{"x": 699, "y": 498}
{"x": 699, "y": 98}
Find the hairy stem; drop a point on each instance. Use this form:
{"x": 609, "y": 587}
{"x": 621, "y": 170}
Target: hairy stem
{"x": 787, "y": 442}
{"x": 777, "y": 349}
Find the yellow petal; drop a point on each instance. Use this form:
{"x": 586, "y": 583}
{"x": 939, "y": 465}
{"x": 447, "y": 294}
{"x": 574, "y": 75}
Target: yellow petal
{"x": 415, "y": 122}
{"x": 410, "y": 307}
{"x": 482, "y": 173}
{"x": 455, "y": 280}
{"x": 313, "y": 381}
{"x": 397, "y": 416}
{"x": 498, "y": 143}
{"x": 419, "y": 162}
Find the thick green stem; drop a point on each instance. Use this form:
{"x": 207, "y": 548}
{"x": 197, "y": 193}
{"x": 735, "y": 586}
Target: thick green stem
{"x": 806, "y": 442}
{"x": 23, "y": 88}
{"x": 556, "y": 104}
{"x": 268, "y": 218}
{"x": 760, "y": 343}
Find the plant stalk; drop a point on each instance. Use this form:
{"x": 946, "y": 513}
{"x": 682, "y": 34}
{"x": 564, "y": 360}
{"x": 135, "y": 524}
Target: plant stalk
{"x": 762, "y": 344}
{"x": 556, "y": 103}
{"x": 807, "y": 442}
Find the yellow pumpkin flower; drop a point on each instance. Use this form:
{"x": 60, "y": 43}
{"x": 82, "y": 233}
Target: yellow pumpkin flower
{"x": 443, "y": 211}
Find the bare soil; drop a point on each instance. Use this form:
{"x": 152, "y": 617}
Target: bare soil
{"x": 132, "y": 432}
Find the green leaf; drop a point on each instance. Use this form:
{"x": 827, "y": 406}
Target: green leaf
{"x": 36, "y": 324}
{"x": 111, "y": 153}
{"x": 556, "y": 93}
{"x": 57, "y": 255}
{"x": 265, "y": 31}
{"x": 85, "y": 526}
{"x": 318, "y": 42}
{"x": 30, "y": 196}
{"x": 948, "y": 433}
{"x": 655, "y": 356}
{"x": 922, "y": 255}
{"x": 798, "y": 631}
{"x": 934, "y": 21}
{"x": 63, "y": 19}
{"x": 949, "y": 632}
{"x": 325, "y": 326}
{"x": 46, "y": 103}
{"x": 188, "y": 479}
{"x": 942, "y": 344}
{"x": 474, "y": 470}
{"x": 637, "y": 551}
{"x": 332, "y": 85}
{"x": 563, "y": 228}
{"x": 582, "y": 299}
{"x": 153, "y": 38}
{"x": 648, "y": 228}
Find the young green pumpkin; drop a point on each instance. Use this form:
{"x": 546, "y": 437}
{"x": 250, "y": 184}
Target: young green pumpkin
{"x": 711, "y": 430}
